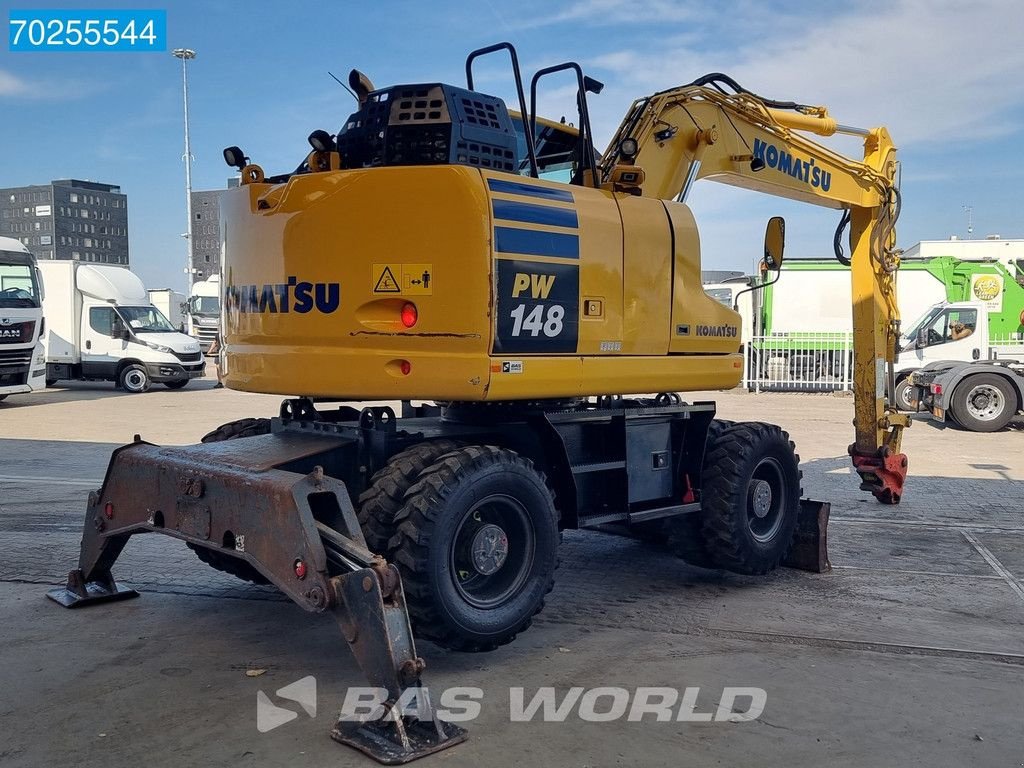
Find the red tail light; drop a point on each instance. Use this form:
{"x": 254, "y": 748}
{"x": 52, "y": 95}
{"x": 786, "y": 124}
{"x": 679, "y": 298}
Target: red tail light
{"x": 936, "y": 389}
{"x": 406, "y": 367}
{"x": 409, "y": 314}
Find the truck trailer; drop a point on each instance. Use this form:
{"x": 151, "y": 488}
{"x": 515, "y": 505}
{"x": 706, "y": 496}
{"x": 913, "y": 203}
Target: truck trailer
{"x": 101, "y": 326}
{"x": 171, "y": 304}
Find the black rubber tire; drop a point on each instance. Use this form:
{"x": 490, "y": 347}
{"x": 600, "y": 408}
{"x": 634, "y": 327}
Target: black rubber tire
{"x": 685, "y": 532}
{"x": 443, "y": 497}
{"x": 958, "y": 403}
{"x": 729, "y": 468}
{"x": 179, "y": 384}
{"x": 233, "y": 430}
{"x": 134, "y": 378}
{"x": 381, "y": 501}
{"x": 51, "y": 382}
{"x": 902, "y": 395}
{"x": 2, "y": 398}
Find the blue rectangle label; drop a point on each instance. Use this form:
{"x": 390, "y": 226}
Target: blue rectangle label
{"x": 80, "y": 30}
{"x": 534, "y": 242}
{"x": 535, "y": 214}
{"x": 530, "y": 190}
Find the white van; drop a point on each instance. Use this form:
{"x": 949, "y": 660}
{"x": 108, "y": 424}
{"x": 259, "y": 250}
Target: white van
{"x": 102, "y": 326}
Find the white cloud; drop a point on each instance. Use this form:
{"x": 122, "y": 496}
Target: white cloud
{"x": 12, "y": 85}
{"x": 931, "y": 71}
{"x": 617, "y": 12}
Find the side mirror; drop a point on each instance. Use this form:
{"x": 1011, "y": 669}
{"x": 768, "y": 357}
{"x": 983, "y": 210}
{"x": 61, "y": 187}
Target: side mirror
{"x": 117, "y": 329}
{"x": 774, "y": 242}
{"x": 922, "y": 338}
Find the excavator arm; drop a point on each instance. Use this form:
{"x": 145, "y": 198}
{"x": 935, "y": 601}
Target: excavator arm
{"x": 714, "y": 129}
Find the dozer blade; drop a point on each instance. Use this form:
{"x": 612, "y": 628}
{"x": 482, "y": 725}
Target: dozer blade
{"x": 299, "y": 531}
{"x": 810, "y": 540}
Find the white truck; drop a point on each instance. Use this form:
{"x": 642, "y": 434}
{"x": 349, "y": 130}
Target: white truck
{"x": 203, "y": 311}
{"x": 171, "y": 303}
{"x": 22, "y": 362}
{"x": 102, "y": 327}
{"x": 961, "y": 331}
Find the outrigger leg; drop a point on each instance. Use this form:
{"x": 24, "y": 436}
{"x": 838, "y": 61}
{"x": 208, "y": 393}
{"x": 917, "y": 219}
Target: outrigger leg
{"x": 299, "y": 531}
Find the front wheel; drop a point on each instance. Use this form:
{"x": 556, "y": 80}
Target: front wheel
{"x": 477, "y": 547}
{"x": 905, "y": 395}
{"x": 983, "y": 403}
{"x": 134, "y": 378}
{"x": 750, "y": 497}
{"x": 179, "y": 384}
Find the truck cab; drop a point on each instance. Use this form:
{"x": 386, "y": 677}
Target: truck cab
{"x": 203, "y": 309}
{"x": 22, "y": 367}
{"x": 954, "y": 331}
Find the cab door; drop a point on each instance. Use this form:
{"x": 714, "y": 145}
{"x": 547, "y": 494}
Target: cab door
{"x": 101, "y": 352}
{"x": 952, "y": 335}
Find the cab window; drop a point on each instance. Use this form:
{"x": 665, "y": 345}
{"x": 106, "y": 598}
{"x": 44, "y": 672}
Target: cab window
{"x": 952, "y": 325}
{"x": 556, "y": 151}
{"x": 101, "y": 320}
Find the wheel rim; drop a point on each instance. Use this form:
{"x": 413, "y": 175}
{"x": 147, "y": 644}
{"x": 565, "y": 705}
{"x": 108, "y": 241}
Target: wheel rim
{"x": 985, "y": 402}
{"x": 903, "y": 396}
{"x": 492, "y": 551}
{"x": 766, "y": 499}
{"x": 135, "y": 380}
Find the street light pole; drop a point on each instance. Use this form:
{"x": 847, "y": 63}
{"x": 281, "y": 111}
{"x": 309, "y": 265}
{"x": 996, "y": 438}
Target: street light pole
{"x": 186, "y": 54}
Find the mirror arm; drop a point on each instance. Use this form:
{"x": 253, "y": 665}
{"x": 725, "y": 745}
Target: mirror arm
{"x": 758, "y": 287}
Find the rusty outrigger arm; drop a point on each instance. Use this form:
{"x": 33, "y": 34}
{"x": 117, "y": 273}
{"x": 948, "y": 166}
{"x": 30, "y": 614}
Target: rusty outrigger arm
{"x": 299, "y": 531}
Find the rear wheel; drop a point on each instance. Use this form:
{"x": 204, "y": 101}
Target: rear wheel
{"x": 750, "y": 498}
{"x": 233, "y": 430}
{"x": 380, "y": 503}
{"x": 984, "y": 403}
{"x": 477, "y": 547}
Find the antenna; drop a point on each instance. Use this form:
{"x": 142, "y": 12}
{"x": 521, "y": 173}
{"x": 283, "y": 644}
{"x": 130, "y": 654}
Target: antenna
{"x": 969, "y": 209}
{"x": 343, "y": 85}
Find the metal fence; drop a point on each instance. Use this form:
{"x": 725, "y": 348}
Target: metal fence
{"x": 808, "y": 362}
{"x": 822, "y": 362}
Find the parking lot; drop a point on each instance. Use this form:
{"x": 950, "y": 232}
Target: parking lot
{"x": 910, "y": 652}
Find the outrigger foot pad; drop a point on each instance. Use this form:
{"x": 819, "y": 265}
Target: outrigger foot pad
{"x": 394, "y": 742}
{"x": 80, "y": 592}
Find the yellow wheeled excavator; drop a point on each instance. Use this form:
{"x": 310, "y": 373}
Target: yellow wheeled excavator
{"x": 442, "y": 248}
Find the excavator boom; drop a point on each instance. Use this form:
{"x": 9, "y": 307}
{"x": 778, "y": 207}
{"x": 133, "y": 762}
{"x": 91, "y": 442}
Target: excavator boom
{"x": 701, "y": 130}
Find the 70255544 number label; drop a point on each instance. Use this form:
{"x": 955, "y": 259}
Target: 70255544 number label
{"x": 87, "y": 30}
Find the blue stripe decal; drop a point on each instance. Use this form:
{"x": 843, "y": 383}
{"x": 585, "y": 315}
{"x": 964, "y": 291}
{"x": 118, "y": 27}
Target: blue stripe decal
{"x": 534, "y": 214}
{"x": 533, "y": 242}
{"x": 530, "y": 190}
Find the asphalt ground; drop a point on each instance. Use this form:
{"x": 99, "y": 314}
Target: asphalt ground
{"x": 910, "y": 652}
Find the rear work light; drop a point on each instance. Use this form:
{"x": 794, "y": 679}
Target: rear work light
{"x": 409, "y": 314}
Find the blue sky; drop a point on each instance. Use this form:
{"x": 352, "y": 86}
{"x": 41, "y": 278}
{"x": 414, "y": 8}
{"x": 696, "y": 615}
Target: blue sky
{"x": 947, "y": 78}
